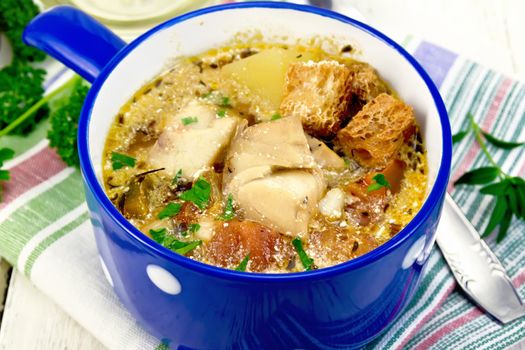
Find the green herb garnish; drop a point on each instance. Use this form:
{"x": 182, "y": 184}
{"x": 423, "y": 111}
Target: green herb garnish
{"x": 62, "y": 134}
{"x": 224, "y": 102}
{"x": 380, "y": 182}
{"x": 187, "y": 247}
{"x": 120, "y": 160}
{"x": 229, "y": 211}
{"x": 169, "y": 210}
{"x": 177, "y": 177}
{"x": 242, "y": 265}
{"x": 199, "y": 194}
{"x": 189, "y": 120}
{"x": 162, "y": 237}
{"x": 5, "y": 154}
{"x": 14, "y": 17}
{"x": 158, "y": 235}
{"x": 221, "y": 113}
{"x": 508, "y": 190}
{"x": 308, "y": 263}
{"x": 194, "y": 228}
{"x": 276, "y": 116}
{"x": 459, "y": 136}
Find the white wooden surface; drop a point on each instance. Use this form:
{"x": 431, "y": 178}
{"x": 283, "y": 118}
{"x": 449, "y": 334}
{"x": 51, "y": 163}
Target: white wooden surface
{"x": 491, "y": 32}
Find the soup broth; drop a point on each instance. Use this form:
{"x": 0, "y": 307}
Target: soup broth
{"x": 267, "y": 158}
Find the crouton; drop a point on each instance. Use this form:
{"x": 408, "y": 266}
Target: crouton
{"x": 318, "y": 93}
{"x": 375, "y": 134}
{"x": 365, "y": 83}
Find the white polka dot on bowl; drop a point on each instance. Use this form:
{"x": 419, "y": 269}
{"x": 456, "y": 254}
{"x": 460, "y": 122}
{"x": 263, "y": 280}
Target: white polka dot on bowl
{"x": 163, "y": 279}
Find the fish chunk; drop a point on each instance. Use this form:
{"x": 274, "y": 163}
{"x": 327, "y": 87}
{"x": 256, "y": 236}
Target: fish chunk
{"x": 283, "y": 201}
{"x": 193, "y": 140}
{"x": 279, "y": 144}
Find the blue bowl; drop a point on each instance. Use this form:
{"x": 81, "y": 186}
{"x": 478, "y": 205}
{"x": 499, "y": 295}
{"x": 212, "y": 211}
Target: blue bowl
{"x": 193, "y": 305}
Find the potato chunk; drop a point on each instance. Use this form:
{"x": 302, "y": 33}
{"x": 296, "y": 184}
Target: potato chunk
{"x": 375, "y": 134}
{"x": 263, "y": 73}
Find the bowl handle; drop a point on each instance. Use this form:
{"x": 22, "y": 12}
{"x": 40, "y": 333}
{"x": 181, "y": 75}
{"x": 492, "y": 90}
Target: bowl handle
{"x": 74, "y": 38}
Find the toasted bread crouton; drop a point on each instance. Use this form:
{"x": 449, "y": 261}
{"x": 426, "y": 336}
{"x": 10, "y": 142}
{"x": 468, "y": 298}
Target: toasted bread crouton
{"x": 318, "y": 93}
{"x": 365, "y": 83}
{"x": 375, "y": 134}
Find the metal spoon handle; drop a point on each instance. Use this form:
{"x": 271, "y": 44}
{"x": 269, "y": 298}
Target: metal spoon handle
{"x": 475, "y": 267}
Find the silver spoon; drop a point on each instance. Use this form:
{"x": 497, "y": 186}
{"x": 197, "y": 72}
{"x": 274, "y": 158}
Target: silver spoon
{"x": 476, "y": 268}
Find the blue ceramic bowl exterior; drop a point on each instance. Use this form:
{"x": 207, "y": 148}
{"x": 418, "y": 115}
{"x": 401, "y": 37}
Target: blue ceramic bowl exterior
{"x": 205, "y": 307}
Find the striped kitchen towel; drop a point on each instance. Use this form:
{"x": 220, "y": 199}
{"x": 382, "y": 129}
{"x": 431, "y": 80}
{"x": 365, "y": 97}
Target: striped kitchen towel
{"x": 46, "y": 234}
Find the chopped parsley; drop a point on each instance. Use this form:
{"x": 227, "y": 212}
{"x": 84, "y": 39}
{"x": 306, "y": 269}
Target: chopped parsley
{"x": 169, "y": 210}
{"x": 225, "y": 102}
{"x": 189, "y": 120}
{"x": 276, "y": 116}
{"x": 308, "y": 263}
{"x": 177, "y": 177}
{"x": 158, "y": 235}
{"x": 120, "y": 161}
{"x": 221, "y": 113}
{"x": 380, "y": 182}
{"x": 242, "y": 265}
{"x": 162, "y": 237}
{"x": 229, "y": 211}
{"x": 199, "y": 194}
{"x": 194, "y": 228}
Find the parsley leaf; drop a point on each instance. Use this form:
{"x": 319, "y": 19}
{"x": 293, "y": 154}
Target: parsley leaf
{"x": 120, "y": 160}
{"x": 158, "y": 235}
{"x": 243, "y": 264}
{"x": 5, "y": 154}
{"x": 177, "y": 177}
{"x": 380, "y": 182}
{"x": 20, "y": 89}
{"x": 194, "y": 228}
{"x": 169, "y": 210}
{"x": 276, "y": 116}
{"x": 221, "y": 113}
{"x": 229, "y": 211}
{"x": 64, "y": 123}
{"x": 509, "y": 191}
{"x": 308, "y": 263}
{"x": 188, "y": 246}
{"x": 459, "y": 136}
{"x": 162, "y": 237}
{"x": 225, "y": 102}
{"x": 478, "y": 176}
{"x": 14, "y": 17}
{"x": 189, "y": 120}
{"x": 199, "y": 194}
{"x": 500, "y": 143}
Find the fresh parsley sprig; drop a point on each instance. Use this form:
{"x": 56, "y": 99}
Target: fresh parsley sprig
{"x": 509, "y": 191}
